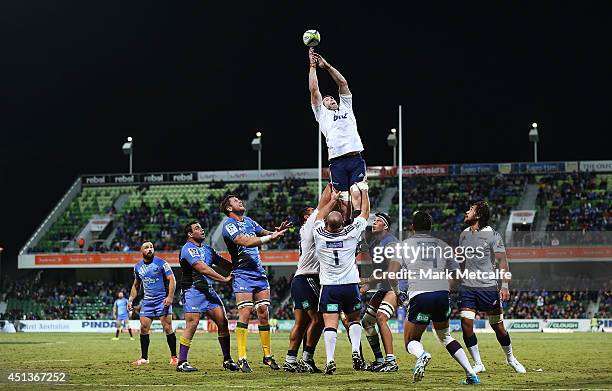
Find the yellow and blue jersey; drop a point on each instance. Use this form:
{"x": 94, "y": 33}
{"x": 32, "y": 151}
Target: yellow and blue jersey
{"x": 245, "y": 260}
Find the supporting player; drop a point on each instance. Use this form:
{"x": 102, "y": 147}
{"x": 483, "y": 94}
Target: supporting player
{"x": 157, "y": 279}
{"x": 305, "y": 289}
{"x": 199, "y": 296}
{"x": 384, "y": 302}
{"x": 338, "y": 124}
{"x": 483, "y": 294}
{"x": 428, "y": 299}
{"x": 242, "y": 236}
{"x": 120, "y": 313}
{"x": 335, "y": 248}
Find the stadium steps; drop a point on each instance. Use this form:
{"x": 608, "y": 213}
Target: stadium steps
{"x": 530, "y": 195}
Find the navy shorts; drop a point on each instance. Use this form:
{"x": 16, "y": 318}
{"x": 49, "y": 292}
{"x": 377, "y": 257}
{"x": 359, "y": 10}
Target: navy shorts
{"x": 479, "y": 299}
{"x": 195, "y": 300}
{"x": 249, "y": 283}
{"x": 155, "y": 308}
{"x": 344, "y": 172}
{"x": 336, "y": 298}
{"x": 305, "y": 292}
{"x": 429, "y": 306}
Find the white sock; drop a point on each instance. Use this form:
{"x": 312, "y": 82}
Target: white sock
{"x": 475, "y": 353}
{"x": 306, "y": 356}
{"x": 462, "y": 359}
{"x": 290, "y": 359}
{"x": 415, "y": 348}
{"x": 355, "y": 334}
{"x": 508, "y": 351}
{"x": 390, "y": 357}
{"x": 330, "y": 336}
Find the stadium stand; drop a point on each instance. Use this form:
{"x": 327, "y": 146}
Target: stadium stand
{"x": 447, "y": 198}
{"x": 577, "y": 201}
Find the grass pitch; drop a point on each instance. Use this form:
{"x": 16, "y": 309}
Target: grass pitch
{"x": 93, "y": 361}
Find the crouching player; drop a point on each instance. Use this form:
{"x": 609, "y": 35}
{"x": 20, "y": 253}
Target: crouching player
{"x": 156, "y": 276}
{"x": 199, "y": 296}
{"x": 428, "y": 299}
{"x": 482, "y": 294}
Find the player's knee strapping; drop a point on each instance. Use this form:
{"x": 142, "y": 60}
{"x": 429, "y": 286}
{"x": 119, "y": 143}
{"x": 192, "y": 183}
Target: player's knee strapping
{"x": 503, "y": 340}
{"x": 468, "y": 314}
{"x": 244, "y": 303}
{"x": 369, "y": 321}
{"x": 260, "y": 303}
{"x": 359, "y": 186}
{"x": 449, "y": 342}
{"x": 387, "y": 309}
{"x": 470, "y": 341}
{"x": 344, "y": 196}
{"x": 495, "y": 319}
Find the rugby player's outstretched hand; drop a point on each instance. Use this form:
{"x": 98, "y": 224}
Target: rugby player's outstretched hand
{"x": 311, "y": 57}
{"x": 167, "y": 301}
{"x": 284, "y": 225}
{"x": 277, "y": 234}
{"x": 335, "y": 195}
{"x": 323, "y": 64}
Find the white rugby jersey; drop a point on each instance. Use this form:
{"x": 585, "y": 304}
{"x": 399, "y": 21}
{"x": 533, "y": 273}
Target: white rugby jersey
{"x": 308, "y": 263}
{"x": 336, "y": 252}
{"x": 427, "y": 261}
{"x": 339, "y": 127}
{"x": 490, "y": 241}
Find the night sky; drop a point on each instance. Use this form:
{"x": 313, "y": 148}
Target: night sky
{"x": 192, "y": 82}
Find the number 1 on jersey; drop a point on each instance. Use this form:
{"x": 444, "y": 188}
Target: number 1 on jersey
{"x": 336, "y": 259}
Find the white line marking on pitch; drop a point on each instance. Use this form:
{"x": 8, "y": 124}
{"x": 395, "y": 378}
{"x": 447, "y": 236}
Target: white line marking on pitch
{"x": 47, "y": 361}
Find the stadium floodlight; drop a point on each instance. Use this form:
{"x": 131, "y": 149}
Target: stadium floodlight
{"x": 128, "y": 149}
{"x": 256, "y": 145}
{"x": 392, "y": 142}
{"x": 534, "y": 138}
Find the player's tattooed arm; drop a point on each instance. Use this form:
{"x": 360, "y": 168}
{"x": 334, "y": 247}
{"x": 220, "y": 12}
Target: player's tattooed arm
{"x": 502, "y": 261}
{"x": 133, "y": 293}
{"x": 313, "y": 83}
{"x": 171, "y": 287}
{"x": 330, "y": 205}
{"x": 334, "y": 73}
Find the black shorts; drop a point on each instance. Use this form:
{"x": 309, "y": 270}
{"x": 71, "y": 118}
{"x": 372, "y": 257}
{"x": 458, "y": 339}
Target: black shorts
{"x": 429, "y": 306}
{"x": 305, "y": 291}
{"x": 336, "y": 298}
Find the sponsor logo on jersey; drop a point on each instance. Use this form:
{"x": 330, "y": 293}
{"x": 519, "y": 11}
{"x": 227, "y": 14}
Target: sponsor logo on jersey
{"x": 340, "y": 116}
{"x": 338, "y": 244}
{"x": 231, "y": 229}
{"x": 193, "y": 252}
